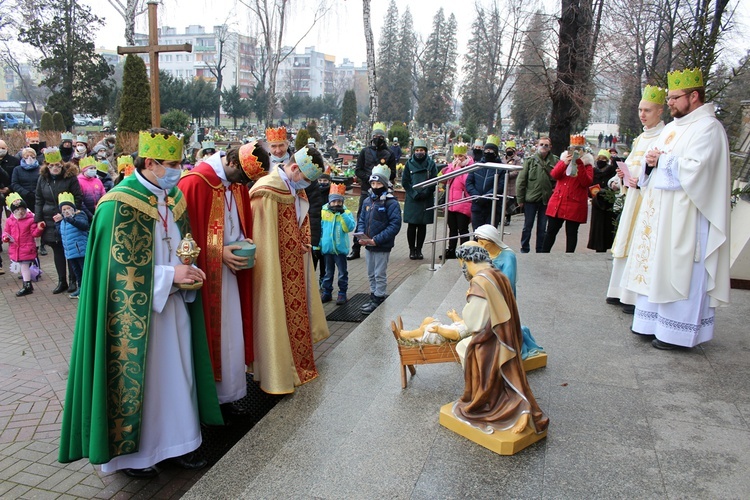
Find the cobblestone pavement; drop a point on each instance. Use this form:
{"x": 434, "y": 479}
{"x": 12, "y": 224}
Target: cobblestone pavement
{"x": 36, "y": 332}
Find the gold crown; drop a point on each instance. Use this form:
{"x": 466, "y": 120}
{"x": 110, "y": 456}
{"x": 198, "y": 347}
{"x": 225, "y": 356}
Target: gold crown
{"x": 657, "y": 95}
{"x": 11, "y": 198}
{"x": 250, "y": 164}
{"x": 379, "y": 126}
{"x": 124, "y": 160}
{"x": 159, "y": 147}
{"x": 66, "y": 197}
{"x": 577, "y": 140}
{"x": 685, "y": 79}
{"x": 339, "y": 189}
{"x": 86, "y": 161}
{"x": 460, "y": 148}
{"x": 52, "y": 155}
{"x": 510, "y": 144}
{"x": 276, "y": 134}
{"x": 32, "y": 134}
{"x": 102, "y": 167}
{"x": 493, "y": 139}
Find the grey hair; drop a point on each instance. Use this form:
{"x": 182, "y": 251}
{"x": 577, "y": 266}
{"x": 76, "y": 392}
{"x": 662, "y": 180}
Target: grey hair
{"x": 472, "y": 253}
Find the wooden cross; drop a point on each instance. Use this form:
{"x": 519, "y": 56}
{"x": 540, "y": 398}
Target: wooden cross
{"x": 153, "y": 49}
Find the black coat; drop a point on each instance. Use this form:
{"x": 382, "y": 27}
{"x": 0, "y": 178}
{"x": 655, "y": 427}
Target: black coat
{"x": 8, "y": 164}
{"x": 47, "y": 192}
{"x": 316, "y": 199}
{"x": 24, "y": 183}
{"x": 370, "y": 157}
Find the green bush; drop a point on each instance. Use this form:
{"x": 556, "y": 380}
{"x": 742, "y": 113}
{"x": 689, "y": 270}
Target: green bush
{"x": 312, "y": 131}
{"x": 58, "y": 122}
{"x": 302, "y": 136}
{"x": 399, "y": 130}
{"x": 135, "y": 103}
{"x": 46, "y": 124}
{"x": 175, "y": 120}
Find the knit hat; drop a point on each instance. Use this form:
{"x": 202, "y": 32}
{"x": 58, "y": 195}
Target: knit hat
{"x": 337, "y": 192}
{"x": 66, "y": 198}
{"x": 382, "y": 174}
{"x": 490, "y": 232}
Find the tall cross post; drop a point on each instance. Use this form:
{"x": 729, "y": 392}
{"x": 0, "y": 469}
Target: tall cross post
{"x": 153, "y": 49}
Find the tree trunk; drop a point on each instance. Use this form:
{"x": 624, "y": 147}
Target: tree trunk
{"x": 371, "y": 82}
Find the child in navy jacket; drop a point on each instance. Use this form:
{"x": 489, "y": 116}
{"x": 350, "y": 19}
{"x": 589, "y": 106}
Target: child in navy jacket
{"x": 73, "y": 227}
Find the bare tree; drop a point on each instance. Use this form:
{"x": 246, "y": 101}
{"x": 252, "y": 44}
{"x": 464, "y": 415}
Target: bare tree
{"x": 129, "y": 11}
{"x": 220, "y": 60}
{"x": 371, "y": 81}
{"x": 27, "y": 87}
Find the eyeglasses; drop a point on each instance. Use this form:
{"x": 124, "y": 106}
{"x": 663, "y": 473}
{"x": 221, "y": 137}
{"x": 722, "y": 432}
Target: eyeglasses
{"x": 673, "y": 98}
{"x": 545, "y": 146}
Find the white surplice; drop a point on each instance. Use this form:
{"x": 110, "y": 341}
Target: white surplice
{"x": 233, "y": 384}
{"x": 678, "y": 261}
{"x": 170, "y": 425}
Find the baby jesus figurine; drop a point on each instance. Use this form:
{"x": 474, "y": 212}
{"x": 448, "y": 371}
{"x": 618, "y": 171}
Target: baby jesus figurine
{"x": 431, "y": 331}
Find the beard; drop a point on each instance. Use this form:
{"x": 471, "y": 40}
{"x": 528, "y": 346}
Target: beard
{"x": 466, "y": 273}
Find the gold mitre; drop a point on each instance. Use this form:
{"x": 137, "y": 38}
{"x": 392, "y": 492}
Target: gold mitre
{"x": 275, "y": 134}
{"x": 685, "y": 79}
{"x": 657, "y": 95}
{"x": 159, "y": 146}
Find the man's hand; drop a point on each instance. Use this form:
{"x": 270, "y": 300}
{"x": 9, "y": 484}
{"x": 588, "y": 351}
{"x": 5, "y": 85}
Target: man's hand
{"x": 520, "y": 205}
{"x": 620, "y": 173}
{"x": 233, "y": 262}
{"x": 369, "y": 242}
{"x": 187, "y": 274}
{"x": 633, "y": 182}
{"x": 306, "y": 247}
{"x": 652, "y": 157}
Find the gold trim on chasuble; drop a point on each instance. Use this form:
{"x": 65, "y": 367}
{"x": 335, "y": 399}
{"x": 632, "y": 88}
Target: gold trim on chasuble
{"x": 127, "y": 325}
{"x": 214, "y": 263}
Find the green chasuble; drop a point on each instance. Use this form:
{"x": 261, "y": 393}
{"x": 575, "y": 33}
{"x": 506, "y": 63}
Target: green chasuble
{"x": 103, "y": 403}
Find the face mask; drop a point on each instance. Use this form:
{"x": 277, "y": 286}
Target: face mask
{"x": 601, "y": 164}
{"x": 509, "y": 154}
{"x": 3, "y": 152}
{"x": 378, "y": 142}
{"x": 419, "y": 156}
{"x": 477, "y": 154}
{"x": 324, "y": 187}
{"x": 90, "y": 173}
{"x": 490, "y": 156}
{"x": 81, "y": 149}
{"x": 337, "y": 209}
{"x": 30, "y": 163}
{"x": 101, "y": 157}
{"x": 171, "y": 176}
{"x": 379, "y": 191}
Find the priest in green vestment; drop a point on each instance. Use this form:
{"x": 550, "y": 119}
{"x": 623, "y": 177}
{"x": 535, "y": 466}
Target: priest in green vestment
{"x": 140, "y": 380}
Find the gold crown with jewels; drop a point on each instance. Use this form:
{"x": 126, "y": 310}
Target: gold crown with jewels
{"x": 159, "y": 146}
{"x": 685, "y": 79}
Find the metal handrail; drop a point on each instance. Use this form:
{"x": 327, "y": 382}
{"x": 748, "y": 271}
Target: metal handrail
{"x": 498, "y": 167}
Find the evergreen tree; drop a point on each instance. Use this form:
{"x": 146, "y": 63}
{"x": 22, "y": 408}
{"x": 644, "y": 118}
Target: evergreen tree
{"x": 629, "y": 121}
{"x": 531, "y": 103}
{"x": 404, "y": 76}
{"x": 312, "y": 131}
{"x": 293, "y": 105}
{"x": 135, "y": 103}
{"x": 301, "y": 141}
{"x": 58, "y": 122}
{"x": 76, "y": 75}
{"x": 474, "y": 94}
{"x": 349, "y": 111}
{"x": 173, "y": 93}
{"x": 46, "y": 124}
{"x": 234, "y": 105}
{"x": 202, "y": 99}
{"x": 437, "y": 78}
{"x": 388, "y": 56}
{"x": 177, "y": 121}
{"x": 399, "y": 130}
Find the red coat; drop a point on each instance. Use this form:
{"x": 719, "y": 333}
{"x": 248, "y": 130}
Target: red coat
{"x": 457, "y": 189}
{"x": 22, "y": 247}
{"x": 204, "y": 193}
{"x": 570, "y": 199}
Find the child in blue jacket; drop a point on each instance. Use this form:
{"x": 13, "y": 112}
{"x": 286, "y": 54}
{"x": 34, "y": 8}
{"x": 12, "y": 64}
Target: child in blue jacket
{"x": 73, "y": 227}
{"x": 379, "y": 223}
{"x": 337, "y": 222}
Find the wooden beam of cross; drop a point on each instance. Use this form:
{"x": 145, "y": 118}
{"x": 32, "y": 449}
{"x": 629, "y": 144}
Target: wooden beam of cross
{"x": 153, "y": 49}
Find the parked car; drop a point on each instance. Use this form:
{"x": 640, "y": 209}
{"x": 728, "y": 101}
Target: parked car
{"x": 15, "y": 119}
{"x": 86, "y": 121}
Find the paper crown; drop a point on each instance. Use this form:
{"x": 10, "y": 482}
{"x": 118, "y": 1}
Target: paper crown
{"x": 82, "y": 138}
{"x": 685, "y": 79}
{"x": 52, "y": 155}
{"x": 306, "y": 165}
{"x": 208, "y": 145}
{"x": 395, "y": 139}
{"x": 493, "y": 139}
{"x": 311, "y": 140}
{"x": 382, "y": 171}
{"x": 338, "y": 189}
{"x": 276, "y": 134}
{"x": 102, "y": 167}
{"x": 11, "y": 198}
{"x": 510, "y": 144}
{"x": 379, "y": 127}
{"x": 67, "y": 198}
{"x": 125, "y": 164}
{"x": 419, "y": 143}
{"x": 67, "y": 136}
{"x": 654, "y": 94}
{"x": 478, "y": 143}
{"x": 604, "y": 152}
{"x": 460, "y": 148}
{"x": 250, "y": 163}
{"x": 159, "y": 147}
{"x": 32, "y": 134}
{"x": 87, "y": 161}
{"x": 577, "y": 140}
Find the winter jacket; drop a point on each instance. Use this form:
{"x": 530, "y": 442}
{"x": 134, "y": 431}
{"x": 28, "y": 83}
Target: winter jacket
{"x": 8, "y": 164}
{"x": 92, "y": 190}
{"x": 570, "y": 199}
{"x": 22, "y": 246}
{"x": 512, "y": 175}
{"x": 534, "y": 183}
{"x": 368, "y": 158}
{"x": 335, "y": 228}
{"x": 106, "y": 179}
{"x": 380, "y": 219}
{"x": 316, "y": 200}
{"x": 74, "y": 233}
{"x": 457, "y": 188}
{"x": 418, "y": 201}
{"x": 47, "y": 191}
{"x": 24, "y": 182}
{"x": 480, "y": 183}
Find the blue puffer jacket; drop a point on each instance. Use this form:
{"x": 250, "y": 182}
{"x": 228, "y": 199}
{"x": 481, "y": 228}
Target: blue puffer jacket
{"x": 380, "y": 219}
{"x": 480, "y": 183}
{"x": 74, "y": 233}
{"x": 335, "y": 229}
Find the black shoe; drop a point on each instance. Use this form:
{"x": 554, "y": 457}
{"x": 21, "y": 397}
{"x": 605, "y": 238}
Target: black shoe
{"x": 354, "y": 254}
{"x": 412, "y": 254}
{"x": 418, "y": 255}
{"x": 664, "y": 346}
{"x": 526, "y": 251}
{"x": 146, "y": 473}
{"x": 62, "y": 286}
{"x": 43, "y": 251}
{"x": 26, "y": 290}
{"x": 507, "y": 222}
{"x": 628, "y": 309}
{"x": 234, "y": 410}
{"x": 73, "y": 287}
{"x": 613, "y": 301}
{"x": 375, "y": 301}
{"x": 189, "y": 461}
